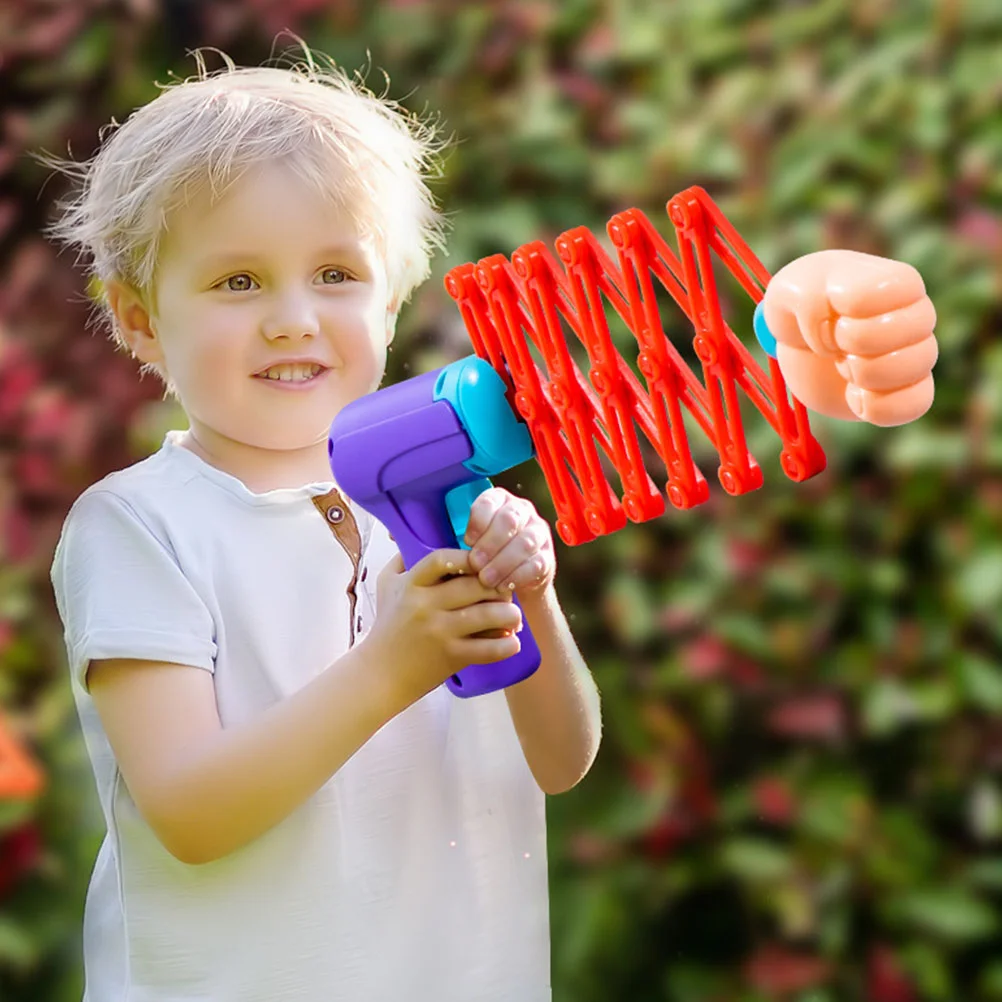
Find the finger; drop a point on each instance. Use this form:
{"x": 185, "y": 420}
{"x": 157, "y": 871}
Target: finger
{"x": 506, "y": 523}
{"x": 532, "y": 573}
{"x": 886, "y": 332}
{"x": 496, "y": 615}
{"x": 864, "y": 285}
{"x": 895, "y": 370}
{"x": 461, "y": 592}
{"x": 505, "y": 631}
{"x": 482, "y": 511}
{"x": 440, "y": 564}
{"x": 805, "y": 298}
{"x": 798, "y": 313}
{"x": 482, "y": 651}
{"x": 888, "y": 410}
{"x": 504, "y": 569}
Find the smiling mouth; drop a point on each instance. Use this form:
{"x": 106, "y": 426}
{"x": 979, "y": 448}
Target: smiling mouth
{"x": 292, "y": 373}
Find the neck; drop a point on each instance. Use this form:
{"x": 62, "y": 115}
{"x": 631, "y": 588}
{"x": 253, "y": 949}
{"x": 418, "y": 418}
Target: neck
{"x": 260, "y": 470}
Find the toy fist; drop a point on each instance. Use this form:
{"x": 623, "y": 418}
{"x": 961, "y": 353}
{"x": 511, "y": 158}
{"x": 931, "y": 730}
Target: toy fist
{"x": 854, "y": 336}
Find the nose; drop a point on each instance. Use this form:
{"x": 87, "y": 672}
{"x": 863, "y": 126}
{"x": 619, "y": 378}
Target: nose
{"x": 290, "y": 316}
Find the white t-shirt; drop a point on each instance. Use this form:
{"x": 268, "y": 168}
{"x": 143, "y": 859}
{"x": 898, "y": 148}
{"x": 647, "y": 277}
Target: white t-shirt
{"x": 417, "y": 872}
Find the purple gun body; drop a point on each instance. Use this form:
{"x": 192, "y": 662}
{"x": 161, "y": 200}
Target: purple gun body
{"x": 398, "y": 453}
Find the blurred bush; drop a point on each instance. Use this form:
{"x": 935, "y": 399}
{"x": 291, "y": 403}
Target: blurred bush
{"x": 799, "y": 793}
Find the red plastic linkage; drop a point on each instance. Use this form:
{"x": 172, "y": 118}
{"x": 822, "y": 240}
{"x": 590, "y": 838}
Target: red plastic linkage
{"x": 573, "y": 420}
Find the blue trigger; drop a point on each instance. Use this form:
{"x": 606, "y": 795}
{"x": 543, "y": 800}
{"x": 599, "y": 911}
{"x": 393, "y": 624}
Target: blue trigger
{"x": 458, "y": 503}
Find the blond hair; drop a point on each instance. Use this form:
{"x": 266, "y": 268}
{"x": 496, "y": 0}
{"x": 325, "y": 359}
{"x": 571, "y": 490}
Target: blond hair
{"x": 364, "y": 151}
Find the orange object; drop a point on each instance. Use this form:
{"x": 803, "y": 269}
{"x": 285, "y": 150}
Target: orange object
{"x": 20, "y": 775}
{"x": 506, "y": 305}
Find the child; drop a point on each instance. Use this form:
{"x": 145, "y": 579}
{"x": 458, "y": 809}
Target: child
{"x": 297, "y": 809}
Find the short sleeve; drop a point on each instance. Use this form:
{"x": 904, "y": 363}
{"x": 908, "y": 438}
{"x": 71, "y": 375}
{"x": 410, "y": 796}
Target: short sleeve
{"x": 121, "y": 593}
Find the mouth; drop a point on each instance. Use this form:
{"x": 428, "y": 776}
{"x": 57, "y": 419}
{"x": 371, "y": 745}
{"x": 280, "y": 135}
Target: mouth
{"x": 293, "y": 373}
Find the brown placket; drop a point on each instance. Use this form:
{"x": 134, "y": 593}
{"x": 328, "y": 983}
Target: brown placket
{"x": 342, "y": 523}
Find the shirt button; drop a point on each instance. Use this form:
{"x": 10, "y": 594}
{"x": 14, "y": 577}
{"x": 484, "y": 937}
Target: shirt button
{"x": 335, "y": 515}
{"x": 365, "y": 573}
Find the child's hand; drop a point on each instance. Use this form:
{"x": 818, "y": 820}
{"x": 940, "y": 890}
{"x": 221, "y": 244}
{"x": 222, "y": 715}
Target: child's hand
{"x": 512, "y": 547}
{"x": 854, "y": 336}
{"x": 436, "y": 619}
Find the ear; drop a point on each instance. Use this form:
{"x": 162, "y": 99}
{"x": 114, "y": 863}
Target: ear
{"x": 135, "y": 322}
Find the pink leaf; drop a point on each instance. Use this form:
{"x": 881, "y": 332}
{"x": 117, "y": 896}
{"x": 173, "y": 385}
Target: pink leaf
{"x": 774, "y": 800}
{"x": 780, "y": 972}
{"x": 885, "y": 981}
{"x": 819, "y": 716}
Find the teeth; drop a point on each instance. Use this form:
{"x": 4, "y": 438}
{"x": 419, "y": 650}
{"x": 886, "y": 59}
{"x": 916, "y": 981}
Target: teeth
{"x": 291, "y": 373}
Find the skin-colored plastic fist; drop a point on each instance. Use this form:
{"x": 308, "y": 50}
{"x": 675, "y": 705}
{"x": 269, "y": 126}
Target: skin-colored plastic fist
{"x": 854, "y": 336}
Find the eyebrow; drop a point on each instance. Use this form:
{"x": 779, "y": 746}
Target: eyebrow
{"x": 230, "y": 259}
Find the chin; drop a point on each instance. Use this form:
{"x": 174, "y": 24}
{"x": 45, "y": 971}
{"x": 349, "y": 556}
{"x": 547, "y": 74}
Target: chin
{"x": 286, "y": 441}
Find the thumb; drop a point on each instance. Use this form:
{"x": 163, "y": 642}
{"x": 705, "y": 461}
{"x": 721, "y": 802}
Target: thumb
{"x": 439, "y": 565}
{"x": 799, "y": 314}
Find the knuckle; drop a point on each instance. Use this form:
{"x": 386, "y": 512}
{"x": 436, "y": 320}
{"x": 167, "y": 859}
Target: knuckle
{"x": 438, "y": 624}
{"x": 530, "y": 544}
{"x": 508, "y": 518}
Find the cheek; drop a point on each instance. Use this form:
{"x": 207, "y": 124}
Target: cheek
{"x": 205, "y": 362}
{"x": 377, "y": 370}
{"x": 363, "y": 348}
{"x": 378, "y": 362}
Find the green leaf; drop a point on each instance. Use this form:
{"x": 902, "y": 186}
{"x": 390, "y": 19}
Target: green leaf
{"x": 756, "y": 859}
{"x": 979, "y": 582}
{"x": 630, "y": 613}
{"x": 17, "y": 946}
{"x": 833, "y": 810}
{"x": 887, "y": 706}
{"x": 951, "y": 913}
{"x": 984, "y": 873}
{"x": 981, "y": 680}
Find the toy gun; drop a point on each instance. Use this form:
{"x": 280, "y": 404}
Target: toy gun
{"x": 416, "y": 455}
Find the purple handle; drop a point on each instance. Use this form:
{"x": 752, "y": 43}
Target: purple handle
{"x": 398, "y": 452}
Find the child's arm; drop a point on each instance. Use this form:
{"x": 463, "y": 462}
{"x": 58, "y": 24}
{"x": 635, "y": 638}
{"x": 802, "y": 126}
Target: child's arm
{"x": 556, "y": 711}
{"x": 206, "y": 790}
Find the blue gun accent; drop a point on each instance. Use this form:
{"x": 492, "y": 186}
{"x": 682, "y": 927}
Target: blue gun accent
{"x": 762, "y": 332}
{"x": 499, "y": 440}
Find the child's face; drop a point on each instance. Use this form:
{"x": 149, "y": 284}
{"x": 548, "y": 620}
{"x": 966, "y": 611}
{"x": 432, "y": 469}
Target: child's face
{"x": 271, "y": 313}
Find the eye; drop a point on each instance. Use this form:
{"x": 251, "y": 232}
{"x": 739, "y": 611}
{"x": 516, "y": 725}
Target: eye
{"x": 333, "y": 276}
{"x": 239, "y": 283}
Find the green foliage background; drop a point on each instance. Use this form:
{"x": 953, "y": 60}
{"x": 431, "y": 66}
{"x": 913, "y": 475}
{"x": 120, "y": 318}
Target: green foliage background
{"x": 799, "y": 791}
